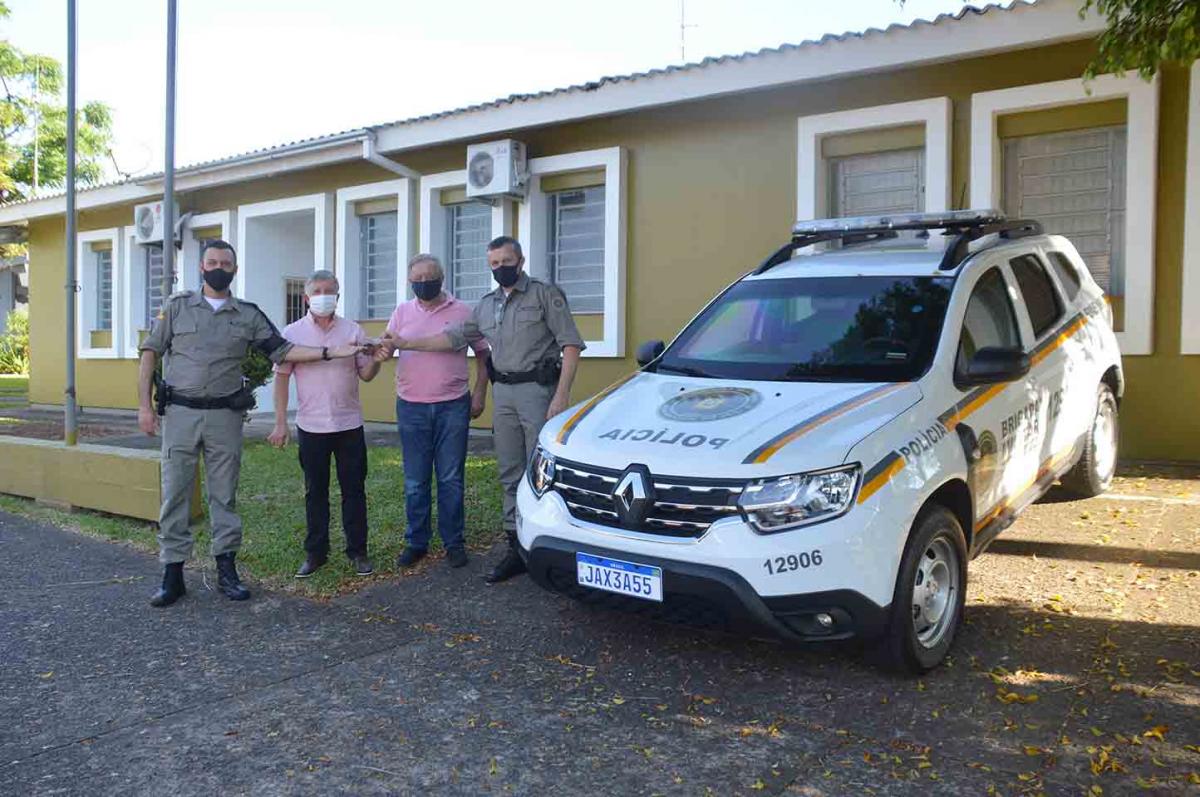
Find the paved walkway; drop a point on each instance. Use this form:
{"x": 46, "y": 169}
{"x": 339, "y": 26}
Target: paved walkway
{"x": 1077, "y": 667}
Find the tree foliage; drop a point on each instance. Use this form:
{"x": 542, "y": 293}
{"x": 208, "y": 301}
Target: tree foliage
{"x": 14, "y": 344}
{"x": 31, "y": 87}
{"x": 1142, "y": 35}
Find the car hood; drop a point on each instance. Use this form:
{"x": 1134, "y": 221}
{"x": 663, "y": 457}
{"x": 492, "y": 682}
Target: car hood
{"x": 686, "y": 426}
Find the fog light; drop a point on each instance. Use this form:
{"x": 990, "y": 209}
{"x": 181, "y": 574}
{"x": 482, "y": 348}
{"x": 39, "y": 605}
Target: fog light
{"x": 824, "y": 620}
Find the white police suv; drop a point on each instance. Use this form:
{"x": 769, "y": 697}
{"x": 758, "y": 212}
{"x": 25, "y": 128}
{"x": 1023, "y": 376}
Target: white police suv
{"x": 822, "y": 449}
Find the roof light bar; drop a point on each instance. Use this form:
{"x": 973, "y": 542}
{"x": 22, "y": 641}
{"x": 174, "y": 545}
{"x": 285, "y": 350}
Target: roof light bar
{"x": 952, "y": 219}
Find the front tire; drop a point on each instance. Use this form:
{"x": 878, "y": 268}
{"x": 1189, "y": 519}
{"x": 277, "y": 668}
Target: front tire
{"x": 927, "y": 606}
{"x": 1093, "y": 473}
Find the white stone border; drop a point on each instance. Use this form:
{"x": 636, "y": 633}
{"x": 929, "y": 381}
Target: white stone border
{"x": 323, "y": 233}
{"x": 1141, "y": 172}
{"x": 533, "y": 234}
{"x": 86, "y": 293}
{"x": 812, "y": 178}
{"x": 1189, "y": 310}
{"x": 347, "y": 265}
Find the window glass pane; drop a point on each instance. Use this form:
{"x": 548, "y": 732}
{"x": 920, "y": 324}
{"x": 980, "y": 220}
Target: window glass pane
{"x": 293, "y": 297}
{"x": 468, "y": 230}
{"x": 1041, "y": 300}
{"x": 877, "y": 182}
{"x": 1067, "y": 274}
{"x": 377, "y": 259}
{"x": 575, "y": 246}
{"x": 1074, "y": 183}
{"x": 989, "y": 319}
{"x": 104, "y": 290}
{"x": 153, "y": 264}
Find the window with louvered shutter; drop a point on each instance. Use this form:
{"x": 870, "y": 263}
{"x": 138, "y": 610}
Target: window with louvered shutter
{"x": 152, "y": 262}
{"x": 575, "y": 246}
{"x": 1074, "y": 183}
{"x": 377, "y": 234}
{"x": 877, "y": 182}
{"x": 104, "y": 290}
{"x": 468, "y": 230}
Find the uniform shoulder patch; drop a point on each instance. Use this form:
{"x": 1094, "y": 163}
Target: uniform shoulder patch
{"x": 180, "y": 295}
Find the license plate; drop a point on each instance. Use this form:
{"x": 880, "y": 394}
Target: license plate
{"x": 624, "y": 578}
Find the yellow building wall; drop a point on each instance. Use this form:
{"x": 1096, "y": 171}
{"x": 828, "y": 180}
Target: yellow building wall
{"x": 710, "y": 191}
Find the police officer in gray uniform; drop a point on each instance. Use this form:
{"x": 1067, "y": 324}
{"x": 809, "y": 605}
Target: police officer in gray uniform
{"x": 203, "y": 338}
{"x": 535, "y": 351}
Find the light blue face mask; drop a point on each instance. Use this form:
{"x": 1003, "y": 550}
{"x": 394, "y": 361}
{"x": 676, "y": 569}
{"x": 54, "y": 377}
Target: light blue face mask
{"x": 323, "y": 304}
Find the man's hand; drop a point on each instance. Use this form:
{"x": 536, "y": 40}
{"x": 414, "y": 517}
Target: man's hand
{"x": 478, "y": 403}
{"x": 147, "y": 421}
{"x": 278, "y": 436}
{"x": 557, "y": 405}
{"x": 384, "y": 350}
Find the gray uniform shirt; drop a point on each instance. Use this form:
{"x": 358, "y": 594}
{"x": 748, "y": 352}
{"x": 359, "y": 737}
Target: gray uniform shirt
{"x": 525, "y": 327}
{"x": 203, "y": 349}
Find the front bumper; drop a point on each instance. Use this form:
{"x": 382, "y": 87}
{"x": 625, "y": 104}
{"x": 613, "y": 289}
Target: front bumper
{"x": 711, "y": 597}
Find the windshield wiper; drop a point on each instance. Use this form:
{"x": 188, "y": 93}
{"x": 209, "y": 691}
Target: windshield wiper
{"x": 686, "y": 370}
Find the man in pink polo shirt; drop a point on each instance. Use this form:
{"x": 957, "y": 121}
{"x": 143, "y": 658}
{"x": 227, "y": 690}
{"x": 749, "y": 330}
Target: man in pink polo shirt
{"x": 329, "y": 423}
{"x": 433, "y": 411}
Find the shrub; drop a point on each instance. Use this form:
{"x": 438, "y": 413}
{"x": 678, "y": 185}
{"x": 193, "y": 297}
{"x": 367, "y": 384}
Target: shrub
{"x": 14, "y": 344}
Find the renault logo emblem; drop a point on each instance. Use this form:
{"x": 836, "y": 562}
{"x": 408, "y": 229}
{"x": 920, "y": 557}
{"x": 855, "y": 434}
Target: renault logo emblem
{"x": 633, "y": 496}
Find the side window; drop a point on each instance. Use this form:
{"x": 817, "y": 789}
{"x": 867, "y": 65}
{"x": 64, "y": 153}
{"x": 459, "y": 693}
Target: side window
{"x": 989, "y": 320}
{"x": 1068, "y": 275}
{"x": 1041, "y": 300}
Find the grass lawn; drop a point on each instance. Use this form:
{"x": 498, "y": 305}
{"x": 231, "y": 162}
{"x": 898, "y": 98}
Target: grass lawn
{"x": 14, "y": 384}
{"x": 271, "y": 503}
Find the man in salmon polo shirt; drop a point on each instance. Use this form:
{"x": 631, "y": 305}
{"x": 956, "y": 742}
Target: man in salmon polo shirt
{"x": 329, "y": 423}
{"x": 433, "y": 411}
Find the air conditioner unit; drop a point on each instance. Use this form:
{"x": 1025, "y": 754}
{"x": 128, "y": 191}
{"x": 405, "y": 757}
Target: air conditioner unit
{"x": 496, "y": 169}
{"x": 148, "y": 222}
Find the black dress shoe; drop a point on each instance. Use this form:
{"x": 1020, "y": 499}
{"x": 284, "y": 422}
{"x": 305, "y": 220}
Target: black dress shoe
{"x": 456, "y": 557}
{"x": 172, "y": 586}
{"x": 311, "y": 565}
{"x": 362, "y": 565}
{"x": 511, "y": 565}
{"x": 227, "y": 578}
{"x": 410, "y": 556}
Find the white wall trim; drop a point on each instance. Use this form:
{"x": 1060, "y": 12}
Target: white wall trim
{"x": 533, "y": 234}
{"x": 347, "y": 265}
{"x": 1189, "y": 323}
{"x": 812, "y": 176}
{"x": 187, "y": 267}
{"x": 323, "y": 233}
{"x": 86, "y": 294}
{"x": 1140, "y": 185}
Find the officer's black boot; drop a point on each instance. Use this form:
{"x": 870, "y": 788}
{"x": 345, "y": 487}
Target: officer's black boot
{"x": 511, "y": 565}
{"x": 227, "y": 578}
{"x": 172, "y": 587}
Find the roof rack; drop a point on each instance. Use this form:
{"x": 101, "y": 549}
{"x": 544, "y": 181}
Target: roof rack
{"x": 967, "y": 225}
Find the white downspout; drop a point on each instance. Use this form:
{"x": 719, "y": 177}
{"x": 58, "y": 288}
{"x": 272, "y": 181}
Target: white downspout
{"x": 371, "y": 154}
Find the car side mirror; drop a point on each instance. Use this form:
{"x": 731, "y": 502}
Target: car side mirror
{"x": 650, "y": 351}
{"x": 993, "y": 364}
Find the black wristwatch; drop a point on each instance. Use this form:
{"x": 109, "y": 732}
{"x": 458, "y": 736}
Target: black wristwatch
{"x": 324, "y": 352}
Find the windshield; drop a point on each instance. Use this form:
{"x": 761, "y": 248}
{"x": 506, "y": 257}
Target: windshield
{"x": 854, "y": 329}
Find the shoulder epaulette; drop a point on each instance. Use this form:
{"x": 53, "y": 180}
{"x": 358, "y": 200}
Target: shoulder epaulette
{"x": 180, "y": 295}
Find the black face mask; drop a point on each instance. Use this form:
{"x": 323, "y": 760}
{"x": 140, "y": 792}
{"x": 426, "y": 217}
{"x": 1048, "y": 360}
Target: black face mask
{"x": 427, "y": 290}
{"x": 505, "y": 275}
{"x": 218, "y": 279}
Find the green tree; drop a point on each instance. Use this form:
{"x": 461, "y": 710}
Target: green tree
{"x": 31, "y": 88}
{"x": 1142, "y": 35}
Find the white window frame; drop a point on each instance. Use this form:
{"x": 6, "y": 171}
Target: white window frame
{"x": 187, "y": 263}
{"x": 348, "y": 264}
{"x": 323, "y": 232}
{"x": 1189, "y": 321}
{"x": 87, "y": 293}
{"x": 533, "y": 234}
{"x": 1141, "y": 160}
{"x": 812, "y": 172}
{"x": 433, "y": 217}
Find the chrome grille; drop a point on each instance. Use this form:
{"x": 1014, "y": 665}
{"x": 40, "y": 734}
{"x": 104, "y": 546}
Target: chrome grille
{"x": 683, "y": 507}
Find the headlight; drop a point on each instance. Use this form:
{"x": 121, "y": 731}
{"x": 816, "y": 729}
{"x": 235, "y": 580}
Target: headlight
{"x": 541, "y": 471}
{"x": 788, "y": 502}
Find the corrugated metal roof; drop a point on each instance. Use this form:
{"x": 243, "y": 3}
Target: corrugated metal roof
{"x": 514, "y": 99}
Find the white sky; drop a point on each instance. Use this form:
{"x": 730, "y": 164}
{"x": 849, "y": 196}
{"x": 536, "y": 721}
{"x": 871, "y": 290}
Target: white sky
{"x": 255, "y": 73}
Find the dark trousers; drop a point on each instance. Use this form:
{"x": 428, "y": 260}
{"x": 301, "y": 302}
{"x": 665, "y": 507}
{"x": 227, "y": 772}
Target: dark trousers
{"x": 433, "y": 438}
{"x": 349, "y": 451}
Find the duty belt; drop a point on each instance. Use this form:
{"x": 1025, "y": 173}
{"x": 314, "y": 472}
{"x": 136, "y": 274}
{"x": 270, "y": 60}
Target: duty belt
{"x": 165, "y": 394}
{"x": 545, "y": 373}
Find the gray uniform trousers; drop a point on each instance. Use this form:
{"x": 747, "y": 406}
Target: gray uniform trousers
{"x": 518, "y": 415}
{"x": 185, "y": 433}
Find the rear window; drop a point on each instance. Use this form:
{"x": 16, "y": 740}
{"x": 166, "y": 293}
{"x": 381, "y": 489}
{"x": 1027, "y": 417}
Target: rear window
{"x": 1068, "y": 275}
{"x": 1041, "y": 300}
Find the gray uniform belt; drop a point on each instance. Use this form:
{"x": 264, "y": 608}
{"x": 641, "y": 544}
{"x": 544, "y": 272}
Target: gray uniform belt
{"x": 234, "y": 401}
